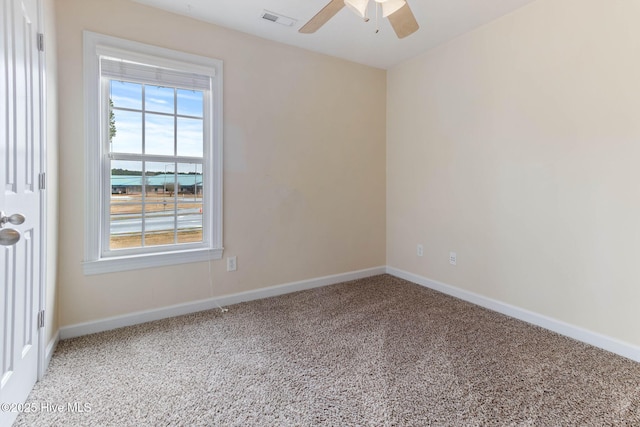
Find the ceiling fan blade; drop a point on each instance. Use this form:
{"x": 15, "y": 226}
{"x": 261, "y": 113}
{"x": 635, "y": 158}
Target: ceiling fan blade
{"x": 322, "y": 17}
{"x": 403, "y": 21}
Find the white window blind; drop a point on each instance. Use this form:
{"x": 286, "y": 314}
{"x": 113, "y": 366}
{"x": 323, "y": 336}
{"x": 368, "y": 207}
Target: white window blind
{"x": 120, "y": 69}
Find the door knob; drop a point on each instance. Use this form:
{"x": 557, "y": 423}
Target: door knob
{"x": 15, "y": 219}
{"x": 9, "y": 237}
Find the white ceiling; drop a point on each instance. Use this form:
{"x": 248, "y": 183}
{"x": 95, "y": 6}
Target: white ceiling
{"x": 346, "y": 35}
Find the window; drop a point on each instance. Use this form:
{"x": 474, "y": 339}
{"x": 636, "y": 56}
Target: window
{"x": 153, "y": 156}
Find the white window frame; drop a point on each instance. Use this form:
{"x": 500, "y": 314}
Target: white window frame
{"x": 96, "y": 259}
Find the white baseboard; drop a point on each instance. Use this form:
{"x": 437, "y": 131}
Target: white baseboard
{"x": 613, "y": 345}
{"x": 51, "y": 348}
{"x": 211, "y": 303}
{"x": 604, "y": 342}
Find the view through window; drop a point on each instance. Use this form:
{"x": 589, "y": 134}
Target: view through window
{"x": 156, "y": 151}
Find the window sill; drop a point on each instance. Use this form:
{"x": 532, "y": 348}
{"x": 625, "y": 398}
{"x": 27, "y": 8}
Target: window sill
{"x": 137, "y": 262}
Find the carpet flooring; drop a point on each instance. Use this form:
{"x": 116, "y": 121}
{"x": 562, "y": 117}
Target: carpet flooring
{"x": 373, "y": 352}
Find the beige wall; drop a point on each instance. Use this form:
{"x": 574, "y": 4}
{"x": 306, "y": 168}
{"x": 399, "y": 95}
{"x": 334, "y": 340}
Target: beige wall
{"x": 51, "y": 152}
{"x": 517, "y": 146}
{"x": 304, "y": 140}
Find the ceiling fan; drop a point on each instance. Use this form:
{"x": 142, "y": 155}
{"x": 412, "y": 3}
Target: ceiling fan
{"x": 398, "y": 12}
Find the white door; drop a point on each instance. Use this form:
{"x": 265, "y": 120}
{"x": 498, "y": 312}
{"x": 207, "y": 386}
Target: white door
{"x": 20, "y": 151}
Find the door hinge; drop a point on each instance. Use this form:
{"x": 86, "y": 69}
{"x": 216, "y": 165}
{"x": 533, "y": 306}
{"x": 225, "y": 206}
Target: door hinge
{"x": 41, "y": 42}
{"x": 41, "y": 319}
{"x": 42, "y": 181}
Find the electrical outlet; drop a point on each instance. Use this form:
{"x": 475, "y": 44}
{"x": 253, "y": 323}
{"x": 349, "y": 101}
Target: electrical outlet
{"x": 232, "y": 263}
{"x": 420, "y": 250}
{"x": 453, "y": 258}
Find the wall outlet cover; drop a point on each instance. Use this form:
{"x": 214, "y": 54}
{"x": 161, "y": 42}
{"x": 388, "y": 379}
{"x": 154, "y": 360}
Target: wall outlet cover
{"x": 232, "y": 263}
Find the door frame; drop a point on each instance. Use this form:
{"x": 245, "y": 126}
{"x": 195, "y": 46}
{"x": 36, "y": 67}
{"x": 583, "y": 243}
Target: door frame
{"x": 42, "y": 276}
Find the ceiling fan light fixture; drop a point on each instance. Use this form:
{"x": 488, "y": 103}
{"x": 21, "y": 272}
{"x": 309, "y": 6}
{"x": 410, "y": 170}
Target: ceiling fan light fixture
{"x": 358, "y": 6}
{"x": 391, "y": 6}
